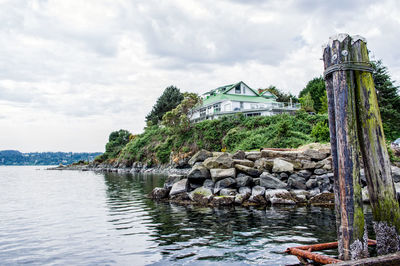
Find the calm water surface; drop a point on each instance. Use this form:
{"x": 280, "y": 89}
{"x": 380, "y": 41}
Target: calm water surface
{"x": 86, "y": 218}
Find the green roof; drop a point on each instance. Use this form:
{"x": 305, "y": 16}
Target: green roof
{"x": 232, "y": 97}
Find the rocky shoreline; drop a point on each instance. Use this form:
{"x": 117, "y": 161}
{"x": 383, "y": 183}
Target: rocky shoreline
{"x": 269, "y": 176}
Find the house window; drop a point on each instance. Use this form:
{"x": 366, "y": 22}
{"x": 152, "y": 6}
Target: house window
{"x": 237, "y": 89}
{"x": 253, "y": 114}
{"x": 202, "y": 112}
{"x": 217, "y": 108}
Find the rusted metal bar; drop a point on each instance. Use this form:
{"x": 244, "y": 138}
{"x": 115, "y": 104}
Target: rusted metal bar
{"x": 313, "y": 256}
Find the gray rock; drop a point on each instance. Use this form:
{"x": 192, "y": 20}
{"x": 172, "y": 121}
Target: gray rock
{"x": 208, "y": 183}
{"x": 256, "y": 181}
{"x": 224, "y": 183}
{"x": 258, "y": 190}
{"x": 201, "y": 194}
{"x": 222, "y": 161}
{"x": 243, "y": 180}
{"x": 323, "y": 179}
{"x": 245, "y": 191}
{"x": 240, "y": 198}
{"x": 253, "y": 155}
{"x": 365, "y": 195}
{"x": 179, "y": 187}
{"x": 228, "y": 192}
{"x": 223, "y": 201}
{"x": 240, "y": 155}
{"x": 264, "y": 164}
{"x": 279, "y": 196}
{"x": 282, "y": 176}
{"x": 308, "y": 165}
{"x": 200, "y": 156}
{"x": 316, "y": 154}
{"x": 396, "y": 174}
{"x": 320, "y": 171}
{"x": 193, "y": 186}
{"x": 282, "y": 166}
{"x": 219, "y": 174}
{"x": 244, "y": 162}
{"x": 363, "y": 178}
{"x": 311, "y": 183}
{"x": 277, "y": 201}
{"x": 314, "y": 192}
{"x": 159, "y": 193}
{"x": 304, "y": 173}
{"x": 171, "y": 180}
{"x": 397, "y": 188}
{"x": 198, "y": 174}
{"x": 248, "y": 170}
{"x": 323, "y": 198}
{"x": 289, "y": 155}
{"x": 269, "y": 181}
{"x": 297, "y": 182}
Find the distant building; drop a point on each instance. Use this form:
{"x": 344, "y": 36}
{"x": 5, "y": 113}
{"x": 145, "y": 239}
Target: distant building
{"x": 239, "y": 98}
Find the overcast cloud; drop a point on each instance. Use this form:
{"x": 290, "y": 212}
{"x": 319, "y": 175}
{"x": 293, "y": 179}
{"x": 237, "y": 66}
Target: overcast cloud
{"x": 72, "y": 71}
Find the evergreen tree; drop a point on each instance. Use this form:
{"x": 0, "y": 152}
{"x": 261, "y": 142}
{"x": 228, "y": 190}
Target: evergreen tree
{"x": 280, "y": 96}
{"x": 316, "y": 88}
{"x": 388, "y": 100}
{"x": 170, "y": 99}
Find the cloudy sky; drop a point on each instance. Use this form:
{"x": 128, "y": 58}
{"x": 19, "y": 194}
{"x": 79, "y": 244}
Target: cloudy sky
{"x": 72, "y": 71}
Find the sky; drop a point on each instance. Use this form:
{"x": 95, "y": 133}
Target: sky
{"x": 73, "y": 71}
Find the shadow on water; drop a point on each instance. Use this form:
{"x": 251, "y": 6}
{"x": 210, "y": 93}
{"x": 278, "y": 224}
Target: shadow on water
{"x": 184, "y": 234}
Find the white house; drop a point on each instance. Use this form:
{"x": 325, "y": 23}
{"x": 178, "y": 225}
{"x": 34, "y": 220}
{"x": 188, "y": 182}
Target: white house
{"x": 239, "y": 98}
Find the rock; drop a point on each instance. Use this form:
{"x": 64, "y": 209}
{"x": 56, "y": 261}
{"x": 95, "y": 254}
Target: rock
{"x": 193, "y": 186}
{"x": 222, "y": 161}
{"x": 224, "y": 183}
{"x": 245, "y": 191}
{"x": 297, "y": 182}
{"x": 314, "y": 192}
{"x": 180, "y": 197}
{"x": 253, "y": 155}
{"x": 240, "y": 155}
{"x": 397, "y": 188}
{"x": 300, "y": 193}
{"x": 171, "y": 180}
{"x": 279, "y": 196}
{"x": 208, "y": 183}
{"x": 159, "y": 193}
{"x": 223, "y": 200}
{"x": 323, "y": 182}
{"x": 269, "y": 181}
{"x": 282, "y": 176}
{"x": 179, "y": 187}
{"x": 320, "y": 171}
{"x": 363, "y": 178}
{"x": 243, "y": 180}
{"x": 256, "y": 181}
{"x": 248, "y": 170}
{"x": 257, "y": 194}
{"x": 228, "y": 192}
{"x": 317, "y": 155}
{"x": 240, "y": 198}
{"x": 289, "y": 155}
{"x": 200, "y": 156}
{"x": 365, "y": 195}
{"x": 311, "y": 183}
{"x": 244, "y": 162}
{"x": 219, "y": 174}
{"x": 323, "y": 198}
{"x": 282, "y": 166}
{"x": 308, "y": 165}
{"x": 198, "y": 174}
{"x": 264, "y": 164}
{"x": 396, "y": 174}
{"x": 201, "y": 195}
{"x": 304, "y": 173}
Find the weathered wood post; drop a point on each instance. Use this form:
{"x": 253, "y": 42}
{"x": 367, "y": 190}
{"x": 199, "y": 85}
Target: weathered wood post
{"x": 352, "y": 234}
{"x": 385, "y": 207}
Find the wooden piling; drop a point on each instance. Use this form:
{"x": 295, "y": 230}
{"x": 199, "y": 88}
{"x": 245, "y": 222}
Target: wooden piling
{"x": 352, "y": 235}
{"x": 382, "y": 194}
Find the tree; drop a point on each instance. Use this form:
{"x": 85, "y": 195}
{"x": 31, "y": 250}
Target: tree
{"x": 388, "y": 100}
{"x": 307, "y": 103}
{"x": 170, "y": 98}
{"x": 280, "y": 96}
{"x": 316, "y": 88}
{"x": 116, "y": 142}
{"x": 179, "y": 117}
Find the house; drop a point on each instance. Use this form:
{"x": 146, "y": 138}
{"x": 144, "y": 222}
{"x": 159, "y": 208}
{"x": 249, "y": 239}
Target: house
{"x": 239, "y": 98}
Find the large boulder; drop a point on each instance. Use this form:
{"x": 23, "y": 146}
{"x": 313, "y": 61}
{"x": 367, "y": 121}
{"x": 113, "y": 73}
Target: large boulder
{"x": 248, "y": 170}
{"x": 253, "y": 155}
{"x": 243, "y": 180}
{"x": 279, "y": 196}
{"x": 257, "y": 195}
{"x": 224, "y": 183}
{"x": 240, "y": 155}
{"x": 269, "y": 181}
{"x": 316, "y": 155}
{"x": 264, "y": 164}
{"x": 179, "y": 187}
{"x": 396, "y": 174}
{"x": 198, "y": 174}
{"x": 171, "y": 180}
{"x": 201, "y": 195}
{"x": 297, "y": 182}
{"x": 222, "y": 161}
{"x": 159, "y": 193}
{"x": 244, "y": 162}
{"x": 200, "y": 156}
{"x": 282, "y": 166}
{"x": 219, "y": 174}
